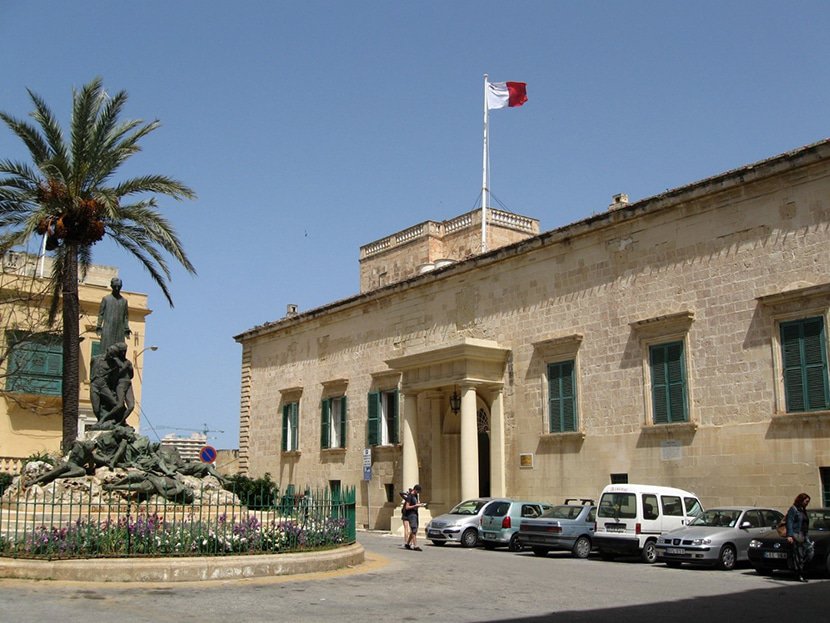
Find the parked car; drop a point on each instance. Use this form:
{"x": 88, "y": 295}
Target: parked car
{"x": 501, "y": 520}
{"x": 718, "y": 537}
{"x": 459, "y": 525}
{"x": 631, "y": 517}
{"x": 563, "y": 527}
{"x": 770, "y": 552}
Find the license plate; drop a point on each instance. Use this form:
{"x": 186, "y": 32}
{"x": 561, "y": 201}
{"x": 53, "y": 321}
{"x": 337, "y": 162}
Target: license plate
{"x": 489, "y": 535}
{"x": 615, "y": 527}
{"x": 433, "y": 533}
{"x": 675, "y": 550}
{"x": 775, "y": 554}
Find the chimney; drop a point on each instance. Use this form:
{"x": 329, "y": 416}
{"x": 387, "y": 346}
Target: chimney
{"x": 618, "y": 201}
{"x": 290, "y": 310}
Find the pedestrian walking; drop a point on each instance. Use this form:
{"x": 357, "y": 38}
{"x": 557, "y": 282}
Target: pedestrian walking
{"x": 797, "y": 525}
{"x": 412, "y": 504}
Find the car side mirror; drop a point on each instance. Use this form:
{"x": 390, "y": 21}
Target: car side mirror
{"x": 746, "y": 524}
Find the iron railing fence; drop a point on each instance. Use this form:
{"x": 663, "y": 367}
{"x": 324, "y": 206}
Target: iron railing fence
{"x": 110, "y": 524}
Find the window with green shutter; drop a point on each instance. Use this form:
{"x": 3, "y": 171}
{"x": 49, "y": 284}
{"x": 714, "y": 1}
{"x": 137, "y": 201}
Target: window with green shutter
{"x": 35, "y": 363}
{"x": 668, "y": 383}
{"x": 561, "y": 397}
{"x": 290, "y": 426}
{"x": 382, "y": 423}
{"x": 804, "y": 359}
{"x": 333, "y": 422}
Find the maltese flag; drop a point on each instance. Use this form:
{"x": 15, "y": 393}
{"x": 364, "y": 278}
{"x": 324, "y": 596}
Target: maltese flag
{"x": 506, "y": 94}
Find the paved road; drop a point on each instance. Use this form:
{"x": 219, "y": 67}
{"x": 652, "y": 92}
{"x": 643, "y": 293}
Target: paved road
{"x": 438, "y": 584}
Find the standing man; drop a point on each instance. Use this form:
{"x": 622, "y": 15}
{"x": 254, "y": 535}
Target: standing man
{"x": 411, "y": 506}
{"x": 113, "y": 320}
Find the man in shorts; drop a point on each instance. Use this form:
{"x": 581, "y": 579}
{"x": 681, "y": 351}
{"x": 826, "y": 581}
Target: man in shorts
{"x": 411, "y": 507}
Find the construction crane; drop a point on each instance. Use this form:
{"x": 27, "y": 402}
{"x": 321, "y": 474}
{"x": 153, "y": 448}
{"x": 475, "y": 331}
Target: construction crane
{"x": 204, "y": 430}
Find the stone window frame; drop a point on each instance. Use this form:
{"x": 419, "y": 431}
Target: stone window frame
{"x": 656, "y": 331}
{"x": 386, "y": 382}
{"x": 553, "y": 350}
{"x": 290, "y": 395}
{"x": 796, "y": 303}
{"x": 335, "y": 389}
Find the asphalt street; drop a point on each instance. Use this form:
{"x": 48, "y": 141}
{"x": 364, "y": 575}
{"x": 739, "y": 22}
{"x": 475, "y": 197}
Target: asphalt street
{"x": 438, "y": 584}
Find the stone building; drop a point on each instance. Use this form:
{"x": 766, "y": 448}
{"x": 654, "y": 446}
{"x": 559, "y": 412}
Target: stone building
{"x": 679, "y": 340}
{"x": 31, "y": 355}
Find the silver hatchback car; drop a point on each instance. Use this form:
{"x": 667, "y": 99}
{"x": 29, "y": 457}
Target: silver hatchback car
{"x": 460, "y": 525}
{"x": 501, "y": 520}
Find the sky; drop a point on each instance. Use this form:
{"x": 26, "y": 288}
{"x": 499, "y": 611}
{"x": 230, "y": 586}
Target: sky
{"x": 310, "y": 128}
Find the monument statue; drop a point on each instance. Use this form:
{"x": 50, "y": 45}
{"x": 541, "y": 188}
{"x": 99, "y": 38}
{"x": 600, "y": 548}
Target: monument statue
{"x": 113, "y": 319}
{"x": 111, "y": 387}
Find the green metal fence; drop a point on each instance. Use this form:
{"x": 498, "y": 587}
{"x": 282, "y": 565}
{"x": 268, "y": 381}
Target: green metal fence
{"x": 108, "y": 524}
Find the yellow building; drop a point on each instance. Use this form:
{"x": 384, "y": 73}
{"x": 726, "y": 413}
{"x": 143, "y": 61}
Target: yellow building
{"x": 679, "y": 340}
{"x": 30, "y": 403}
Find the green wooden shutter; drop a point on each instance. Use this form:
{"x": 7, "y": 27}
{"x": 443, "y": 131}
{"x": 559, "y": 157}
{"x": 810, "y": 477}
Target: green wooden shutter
{"x": 804, "y": 359}
{"x": 668, "y": 383}
{"x": 325, "y": 413}
{"x": 286, "y": 412}
{"x": 394, "y": 418}
{"x": 561, "y": 397}
{"x": 343, "y": 422}
{"x": 373, "y": 421}
{"x": 35, "y": 363}
{"x": 295, "y": 425}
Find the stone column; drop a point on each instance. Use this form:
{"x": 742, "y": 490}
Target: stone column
{"x": 469, "y": 444}
{"x": 498, "y": 478}
{"x": 409, "y": 432}
{"x": 438, "y": 481}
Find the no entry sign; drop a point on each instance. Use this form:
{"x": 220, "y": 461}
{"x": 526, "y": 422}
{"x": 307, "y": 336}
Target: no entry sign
{"x": 207, "y": 454}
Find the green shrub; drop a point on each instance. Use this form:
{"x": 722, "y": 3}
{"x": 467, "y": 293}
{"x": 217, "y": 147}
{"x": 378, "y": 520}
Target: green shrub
{"x": 254, "y": 492}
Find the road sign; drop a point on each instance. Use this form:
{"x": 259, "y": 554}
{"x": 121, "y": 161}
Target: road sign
{"x": 367, "y": 464}
{"x": 207, "y": 454}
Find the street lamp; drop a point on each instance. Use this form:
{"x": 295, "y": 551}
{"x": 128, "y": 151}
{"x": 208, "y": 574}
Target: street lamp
{"x": 135, "y": 358}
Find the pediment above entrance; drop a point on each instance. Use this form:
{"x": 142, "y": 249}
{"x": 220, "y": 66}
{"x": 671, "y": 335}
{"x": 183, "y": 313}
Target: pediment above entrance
{"x": 466, "y": 361}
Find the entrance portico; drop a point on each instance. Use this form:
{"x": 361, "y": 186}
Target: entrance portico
{"x": 474, "y": 368}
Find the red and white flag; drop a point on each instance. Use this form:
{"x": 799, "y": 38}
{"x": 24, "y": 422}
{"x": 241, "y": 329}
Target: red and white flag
{"x": 506, "y": 94}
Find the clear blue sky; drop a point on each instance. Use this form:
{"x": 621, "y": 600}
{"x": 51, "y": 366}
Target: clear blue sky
{"x": 311, "y": 128}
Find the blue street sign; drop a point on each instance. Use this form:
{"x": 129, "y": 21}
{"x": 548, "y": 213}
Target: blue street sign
{"x": 207, "y": 454}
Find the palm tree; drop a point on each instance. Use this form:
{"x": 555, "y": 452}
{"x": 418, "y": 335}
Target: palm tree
{"x": 69, "y": 195}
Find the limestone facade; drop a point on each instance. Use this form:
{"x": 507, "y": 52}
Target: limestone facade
{"x": 712, "y": 269}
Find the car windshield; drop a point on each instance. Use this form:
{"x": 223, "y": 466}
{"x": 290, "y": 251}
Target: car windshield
{"x": 563, "y": 512}
{"x": 819, "y": 519}
{"x": 717, "y": 517}
{"x": 468, "y": 507}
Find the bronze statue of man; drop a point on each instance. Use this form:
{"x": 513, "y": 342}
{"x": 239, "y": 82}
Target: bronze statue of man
{"x": 113, "y": 318}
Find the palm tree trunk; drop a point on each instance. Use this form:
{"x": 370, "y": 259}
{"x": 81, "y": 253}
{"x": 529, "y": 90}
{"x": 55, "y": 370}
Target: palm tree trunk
{"x": 71, "y": 348}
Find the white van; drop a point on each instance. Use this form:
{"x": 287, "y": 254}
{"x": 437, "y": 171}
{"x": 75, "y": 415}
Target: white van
{"x": 631, "y": 517}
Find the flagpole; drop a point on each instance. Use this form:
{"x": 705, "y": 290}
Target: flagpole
{"x": 484, "y": 167}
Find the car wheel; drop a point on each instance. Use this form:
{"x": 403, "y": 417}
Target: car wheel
{"x": 582, "y": 547}
{"x": 540, "y": 551}
{"x": 439, "y": 543}
{"x": 469, "y": 538}
{"x": 727, "y": 558}
{"x": 649, "y": 553}
{"x": 515, "y": 545}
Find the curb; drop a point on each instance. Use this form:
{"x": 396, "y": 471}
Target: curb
{"x": 181, "y": 569}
